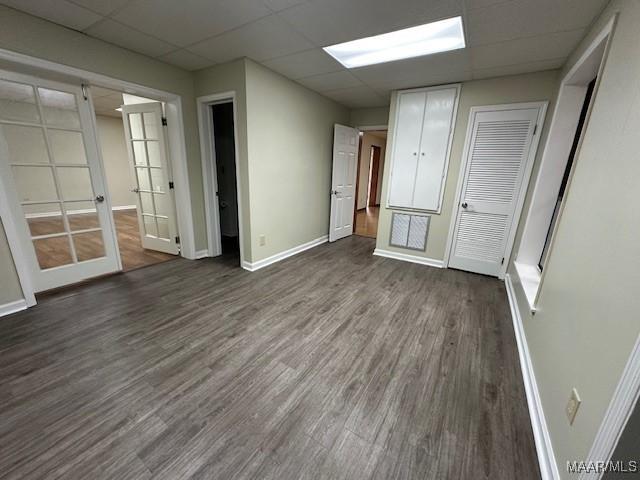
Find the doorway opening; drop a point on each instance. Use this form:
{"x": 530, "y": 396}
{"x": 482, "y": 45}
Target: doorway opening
{"x": 372, "y": 149}
{"x": 225, "y": 169}
{"x": 139, "y": 182}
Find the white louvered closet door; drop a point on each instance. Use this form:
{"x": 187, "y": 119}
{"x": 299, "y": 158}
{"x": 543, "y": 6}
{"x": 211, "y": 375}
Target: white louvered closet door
{"x": 494, "y": 169}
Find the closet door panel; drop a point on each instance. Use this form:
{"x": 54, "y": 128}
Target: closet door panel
{"x": 406, "y": 148}
{"x": 436, "y": 131}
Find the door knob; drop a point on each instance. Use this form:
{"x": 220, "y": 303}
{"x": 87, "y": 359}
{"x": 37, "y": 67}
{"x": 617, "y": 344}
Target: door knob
{"x": 100, "y": 198}
{"x": 464, "y": 205}
{"x": 135, "y": 190}
{"x": 334, "y": 192}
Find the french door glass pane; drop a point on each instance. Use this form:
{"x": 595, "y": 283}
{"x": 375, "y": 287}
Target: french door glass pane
{"x": 24, "y": 144}
{"x": 139, "y": 153}
{"x": 53, "y": 252}
{"x": 67, "y": 147}
{"x": 144, "y": 183}
{"x": 150, "y": 125}
{"x": 162, "y": 207}
{"x": 75, "y": 183}
{"x": 79, "y": 220}
{"x": 88, "y": 245}
{"x": 150, "y": 226}
{"x": 163, "y": 227}
{"x": 34, "y": 184}
{"x": 44, "y": 219}
{"x": 157, "y": 179}
{"x": 146, "y": 202}
{"x": 153, "y": 148}
{"x": 59, "y": 108}
{"x": 135, "y": 123}
{"x": 18, "y": 102}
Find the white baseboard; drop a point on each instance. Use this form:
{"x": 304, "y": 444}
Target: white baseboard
{"x": 13, "y": 307}
{"x": 544, "y": 448}
{"x": 77, "y": 212}
{"x": 201, "y": 254}
{"x": 405, "y": 257}
{"x": 252, "y": 267}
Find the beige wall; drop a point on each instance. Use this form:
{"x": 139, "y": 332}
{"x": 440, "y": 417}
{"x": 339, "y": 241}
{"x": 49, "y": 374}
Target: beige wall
{"x": 116, "y": 160}
{"x": 290, "y": 147}
{"x": 530, "y": 87}
{"x": 587, "y": 318}
{"x": 10, "y": 290}
{"x": 369, "y": 140}
{"x": 373, "y": 117}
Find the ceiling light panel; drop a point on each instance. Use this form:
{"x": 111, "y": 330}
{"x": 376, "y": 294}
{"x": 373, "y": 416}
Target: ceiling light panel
{"x": 435, "y": 37}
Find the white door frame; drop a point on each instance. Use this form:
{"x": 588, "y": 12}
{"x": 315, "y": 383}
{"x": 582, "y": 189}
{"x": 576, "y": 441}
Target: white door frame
{"x": 542, "y": 110}
{"x": 43, "y": 68}
{"x": 209, "y": 175}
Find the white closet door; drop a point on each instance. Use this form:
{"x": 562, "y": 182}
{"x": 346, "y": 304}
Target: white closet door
{"x": 498, "y": 153}
{"x": 434, "y": 145}
{"x": 405, "y": 149}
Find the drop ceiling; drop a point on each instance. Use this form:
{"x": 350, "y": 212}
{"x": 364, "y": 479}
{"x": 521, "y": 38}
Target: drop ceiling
{"x": 503, "y": 37}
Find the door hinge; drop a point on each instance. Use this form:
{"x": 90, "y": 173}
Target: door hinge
{"x": 502, "y": 262}
{"x": 178, "y": 240}
{"x": 535, "y": 129}
{"x": 84, "y": 91}
{"x": 164, "y": 121}
{"x": 171, "y": 185}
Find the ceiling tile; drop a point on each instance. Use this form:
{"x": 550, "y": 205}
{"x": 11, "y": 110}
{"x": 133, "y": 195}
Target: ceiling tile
{"x": 277, "y": 5}
{"x": 333, "y": 21}
{"x": 187, "y": 60}
{"x": 526, "y": 50}
{"x": 526, "y": 18}
{"x": 331, "y": 81}
{"x": 126, "y": 37}
{"x": 304, "y": 64}
{"x": 417, "y": 71}
{"x": 186, "y": 22}
{"x": 103, "y": 7}
{"x": 518, "y": 69}
{"x": 267, "y": 38}
{"x": 357, "y": 97}
{"x": 57, "y": 11}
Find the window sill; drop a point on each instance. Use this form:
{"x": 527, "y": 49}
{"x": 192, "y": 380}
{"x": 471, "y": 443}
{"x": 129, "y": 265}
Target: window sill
{"x": 530, "y": 280}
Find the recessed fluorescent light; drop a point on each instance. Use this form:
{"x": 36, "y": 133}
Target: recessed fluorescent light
{"x": 434, "y": 37}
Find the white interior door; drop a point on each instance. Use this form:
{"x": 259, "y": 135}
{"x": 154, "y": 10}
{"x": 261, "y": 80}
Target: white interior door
{"x": 151, "y": 176}
{"x": 53, "y": 178}
{"x": 343, "y": 181}
{"x": 498, "y": 153}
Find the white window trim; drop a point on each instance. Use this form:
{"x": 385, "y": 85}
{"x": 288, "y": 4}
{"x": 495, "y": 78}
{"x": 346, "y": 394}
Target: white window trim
{"x": 542, "y": 111}
{"x": 392, "y": 140}
{"x": 566, "y": 114}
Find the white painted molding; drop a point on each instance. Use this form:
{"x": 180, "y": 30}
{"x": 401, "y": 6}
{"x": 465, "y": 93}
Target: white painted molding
{"x": 615, "y": 419}
{"x": 202, "y": 253}
{"x": 252, "y": 267}
{"x": 405, "y": 257}
{"x": 13, "y": 307}
{"x": 541, "y": 436}
{"x": 77, "y": 212}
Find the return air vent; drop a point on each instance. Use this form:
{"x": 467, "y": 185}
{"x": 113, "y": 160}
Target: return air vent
{"x": 409, "y": 231}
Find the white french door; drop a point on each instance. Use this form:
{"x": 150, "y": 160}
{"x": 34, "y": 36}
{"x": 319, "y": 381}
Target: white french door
{"x": 343, "y": 181}
{"x": 151, "y": 175}
{"x": 499, "y": 154}
{"x": 53, "y": 179}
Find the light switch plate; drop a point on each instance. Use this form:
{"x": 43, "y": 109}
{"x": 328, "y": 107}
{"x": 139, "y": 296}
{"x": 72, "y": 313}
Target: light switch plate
{"x": 263, "y": 240}
{"x": 572, "y": 406}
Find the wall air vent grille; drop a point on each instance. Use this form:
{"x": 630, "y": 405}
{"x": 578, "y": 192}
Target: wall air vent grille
{"x": 409, "y": 231}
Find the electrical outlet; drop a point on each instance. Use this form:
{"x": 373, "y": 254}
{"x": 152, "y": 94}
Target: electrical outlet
{"x": 572, "y": 406}
{"x": 262, "y": 240}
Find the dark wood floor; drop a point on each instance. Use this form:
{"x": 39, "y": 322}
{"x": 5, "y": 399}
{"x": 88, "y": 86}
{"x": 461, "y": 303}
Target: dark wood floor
{"x": 331, "y": 364}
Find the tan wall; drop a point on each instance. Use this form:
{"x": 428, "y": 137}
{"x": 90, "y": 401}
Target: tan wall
{"x": 372, "y": 117}
{"x": 290, "y": 147}
{"x": 587, "y": 318}
{"x": 10, "y": 290}
{"x": 116, "y": 160}
{"x": 540, "y": 86}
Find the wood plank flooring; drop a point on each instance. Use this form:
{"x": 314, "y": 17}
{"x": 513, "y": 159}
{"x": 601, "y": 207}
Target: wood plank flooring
{"x": 367, "y": 222}
{"x": 332, "y": 364}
